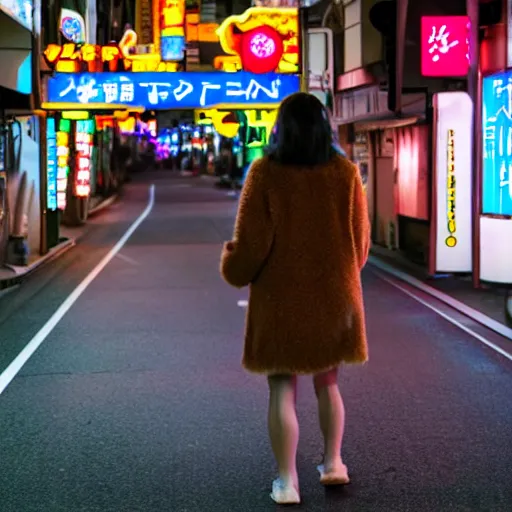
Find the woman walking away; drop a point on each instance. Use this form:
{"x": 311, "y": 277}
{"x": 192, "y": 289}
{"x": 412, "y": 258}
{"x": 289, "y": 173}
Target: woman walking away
{"x": 301, "y": 239}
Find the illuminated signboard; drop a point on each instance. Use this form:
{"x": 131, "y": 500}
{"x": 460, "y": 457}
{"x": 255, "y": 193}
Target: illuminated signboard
{"x": 62, "y": 162}
{"x": 51, "y": 157}
{"x": 83, "y": 145}
{"x": 171, "y": 90}
{"x": 262, "y": 39}
{"x": 497, "y": 148}
{"x": 19, "y": 10}
{"x": 72, "y": 26}
{"x": 451, "y": 191}
{"x": 172, "y": 29}
{"x": 453, "y": 182}
{"x": 74, "y": 58}
{"x": 444, "y": 46}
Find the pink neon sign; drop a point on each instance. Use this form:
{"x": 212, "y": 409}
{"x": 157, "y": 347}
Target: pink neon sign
{"x": 444, "y": 46}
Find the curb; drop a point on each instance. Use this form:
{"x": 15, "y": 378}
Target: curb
{"x": 103, "y": 205}
{"x": 468, "y": 311}
{"x": 23, "y": 272}
{"x": 53, "y": 254}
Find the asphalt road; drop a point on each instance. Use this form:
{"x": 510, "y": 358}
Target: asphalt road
{"x": 137, "y": 402}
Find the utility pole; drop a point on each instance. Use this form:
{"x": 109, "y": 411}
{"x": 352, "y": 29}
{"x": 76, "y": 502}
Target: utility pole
{"x": 475, "y": 93}
{"x": 401, "y": 25}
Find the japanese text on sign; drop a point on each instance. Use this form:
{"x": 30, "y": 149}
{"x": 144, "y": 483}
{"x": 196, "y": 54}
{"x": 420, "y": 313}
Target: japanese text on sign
{"x": 451, "y": 240}
{"x": 444, "y": 46}
{"x": 172, "y": 90}
{"x": 497, "y": 150}
{"x": 73, "y": 58}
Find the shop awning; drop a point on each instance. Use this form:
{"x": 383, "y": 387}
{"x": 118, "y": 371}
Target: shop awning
{"x": 386, "y": 123}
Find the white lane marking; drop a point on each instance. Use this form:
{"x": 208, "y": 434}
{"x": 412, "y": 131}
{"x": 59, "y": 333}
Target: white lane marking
{"x": 242, "y": 303}
{"x": 17, "y": 364}
{"x": 127, "y": 259}
{"x": 458, "y": 324}
{"x": 485, "y": 320}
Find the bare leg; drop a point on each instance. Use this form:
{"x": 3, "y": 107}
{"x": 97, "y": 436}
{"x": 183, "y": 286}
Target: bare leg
{"x": 331, "y": 412}
{"x": 283, "y": 427}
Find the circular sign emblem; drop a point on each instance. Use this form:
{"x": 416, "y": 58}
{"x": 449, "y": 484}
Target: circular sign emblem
{"x": 262, "y": 46}
{"x": 71, "y": 29}
{"x": 262, "y": 49}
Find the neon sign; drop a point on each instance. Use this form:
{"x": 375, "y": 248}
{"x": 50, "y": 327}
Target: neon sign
{"x": 74, "y": 58}
{"x": 452, "y": 183}
{"x": 261, "y": 40}
{"x": 62, "y": 162}
{"x": 72, "y": 26}
{"x": 497, "y": 150}
{"x": 83, "y": 146}
{"x": 51, "y": 157}
{"x": 172, "y": 30}
{"x": 451, "y": 240}
{"x": 171, "y": 90}
{"x": 444, "y": 46}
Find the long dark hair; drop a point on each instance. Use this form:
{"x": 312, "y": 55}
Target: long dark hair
{"x": 302, "y": 135}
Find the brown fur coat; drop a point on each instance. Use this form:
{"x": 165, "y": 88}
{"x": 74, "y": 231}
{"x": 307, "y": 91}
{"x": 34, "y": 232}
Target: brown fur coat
{"x": 301, "y": 239}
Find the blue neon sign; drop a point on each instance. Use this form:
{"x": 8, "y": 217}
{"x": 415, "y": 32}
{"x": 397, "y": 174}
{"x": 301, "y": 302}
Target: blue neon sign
{"x": 172, "y": 48}
{"x": 154, "y": 90}
{"x": 51, "y": 157}
{"x": 497, "y": 144}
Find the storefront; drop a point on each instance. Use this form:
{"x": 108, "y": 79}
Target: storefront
{"x": 86, "y": 161}
{"x": 20, "y": 173}
{"x": 393, "y": 157}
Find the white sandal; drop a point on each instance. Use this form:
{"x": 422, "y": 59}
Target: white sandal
{"x": 284, "y": 494}
{"x": 337, "y": 477}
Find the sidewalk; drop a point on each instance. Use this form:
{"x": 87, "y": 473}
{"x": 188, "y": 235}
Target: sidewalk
{"x": 456, "y": 291}
{"x": 12, "y": 275}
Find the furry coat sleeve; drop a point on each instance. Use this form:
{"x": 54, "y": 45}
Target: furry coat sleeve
{"x": 244, "y": 256}
{"x": 360, "y": 221}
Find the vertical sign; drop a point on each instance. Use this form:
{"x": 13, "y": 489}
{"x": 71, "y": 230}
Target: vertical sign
{"x": 62, "y": 141}
{"x": 83, "y": 145}
{"x": 497, "y": 147}
{"x": 51, "y": 156}
{"x": 509, "y": 33}
{"x": 453, "y": 182}
{"x": 172, "y": 30}
{"x": 144, "y": 21}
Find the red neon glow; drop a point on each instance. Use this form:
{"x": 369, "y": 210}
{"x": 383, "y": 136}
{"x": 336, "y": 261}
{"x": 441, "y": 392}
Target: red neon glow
{"x": 261, "y": 50}
{"x": 444, "y": 46}
{"x": 411, "y": 160}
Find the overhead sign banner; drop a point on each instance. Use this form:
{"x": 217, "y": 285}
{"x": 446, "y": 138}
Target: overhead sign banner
{"x": 453, "y": 182}
{"x": 171, "y": 90}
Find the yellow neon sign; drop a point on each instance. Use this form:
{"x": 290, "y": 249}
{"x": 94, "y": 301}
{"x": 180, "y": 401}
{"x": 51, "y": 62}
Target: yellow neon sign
{"x": 283, "y": 20}
{"x": 72, "y": 58}
{"x": 451, "y": 239}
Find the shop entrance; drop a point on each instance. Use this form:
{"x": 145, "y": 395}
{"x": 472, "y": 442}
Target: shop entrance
{"x": 384, "y": 200}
